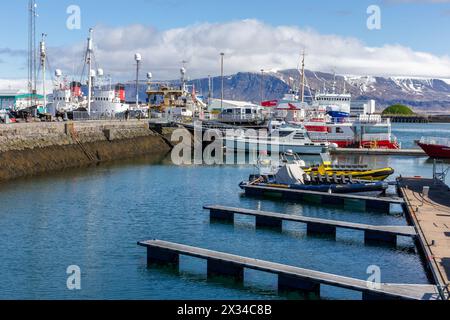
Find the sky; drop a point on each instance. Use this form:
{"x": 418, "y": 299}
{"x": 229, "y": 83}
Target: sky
{"x": 412, "y": 39}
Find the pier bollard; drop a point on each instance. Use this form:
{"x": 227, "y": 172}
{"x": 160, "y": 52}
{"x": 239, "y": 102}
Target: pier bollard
{"x": 290, "y": 283}
{"x": 268, "y": 222}
{"x": 218, "y": 268}
{"x": 380, "y": 237}
{"x": 162, "y": 257}
{"x": 320, "y": 229}
{"x": 219, "y": 215}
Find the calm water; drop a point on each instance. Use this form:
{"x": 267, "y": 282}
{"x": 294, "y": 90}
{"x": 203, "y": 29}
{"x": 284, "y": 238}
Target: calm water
{"x": 93, "y": 218}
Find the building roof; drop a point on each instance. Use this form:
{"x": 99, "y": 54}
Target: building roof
{"x": 19, "y": 95}
{"x": 9, "y": 93}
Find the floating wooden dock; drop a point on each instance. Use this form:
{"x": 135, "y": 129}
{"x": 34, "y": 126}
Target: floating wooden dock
{"x": 431, "y": 216}
{"x": 336, "y": 199}
{"x": 380, "y": 152}
{"x": 289, "y": 277}
{"x": 386, "y": 234}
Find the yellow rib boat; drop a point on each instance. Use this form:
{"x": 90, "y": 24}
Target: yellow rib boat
{"x": 358, "y": 172}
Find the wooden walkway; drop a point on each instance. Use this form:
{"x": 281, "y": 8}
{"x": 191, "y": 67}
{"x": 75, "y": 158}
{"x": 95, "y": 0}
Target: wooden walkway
{"x": 314, "y": 225}
{"x": 336, "y": 199}
{"x": 431, "y": 216}
{"x": 289, "y": 277}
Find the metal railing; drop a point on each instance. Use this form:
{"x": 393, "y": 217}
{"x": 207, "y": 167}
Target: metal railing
{"x": 241, "y": 117}
{"x": 95, "y": 116}
{"x": 441, "y": 141}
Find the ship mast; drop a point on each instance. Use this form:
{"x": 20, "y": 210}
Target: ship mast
{"x": 303, "y": 77}
{"x": 209, "y": 90}
{"x": 43, "y": 55}
{"x": 89, "y": 63}
{"x": 32, "y": 54}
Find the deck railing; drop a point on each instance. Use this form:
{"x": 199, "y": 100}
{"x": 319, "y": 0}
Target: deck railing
{"x": 440, "y": 141}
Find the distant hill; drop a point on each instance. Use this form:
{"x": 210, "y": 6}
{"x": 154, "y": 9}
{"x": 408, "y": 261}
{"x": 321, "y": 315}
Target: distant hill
{"x": 423, "y": 95}
{"x": 398, "y": 109}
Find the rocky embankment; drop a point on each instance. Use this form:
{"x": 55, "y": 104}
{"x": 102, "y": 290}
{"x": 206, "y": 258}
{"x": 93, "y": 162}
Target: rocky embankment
{"x": 34, "y": 148}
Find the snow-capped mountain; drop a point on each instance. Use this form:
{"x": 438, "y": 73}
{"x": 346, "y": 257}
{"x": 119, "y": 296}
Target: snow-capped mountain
{"x": 422, "y": 94}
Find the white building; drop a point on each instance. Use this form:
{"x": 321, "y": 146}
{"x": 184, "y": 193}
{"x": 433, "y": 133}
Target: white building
{"x": 362, "y": 107}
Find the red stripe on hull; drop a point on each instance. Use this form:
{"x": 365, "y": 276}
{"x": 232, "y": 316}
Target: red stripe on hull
{"x": 312, "y": 128}
{"x": 436, "y": 151}
{"x": 384, "y": 144}
{"x": 366, "y": 144}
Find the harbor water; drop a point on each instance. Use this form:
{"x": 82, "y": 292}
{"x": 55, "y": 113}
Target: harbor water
{"x": 93, "y": 217}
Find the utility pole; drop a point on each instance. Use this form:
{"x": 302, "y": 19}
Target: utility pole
{"x": 43, "y": 55}
{"x": 221, "y": 74}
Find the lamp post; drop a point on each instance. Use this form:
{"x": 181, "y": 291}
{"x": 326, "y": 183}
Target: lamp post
{"x": 149, "y": 88}
{"x": 221, "y": 74}
{"x": 138, "y": 59}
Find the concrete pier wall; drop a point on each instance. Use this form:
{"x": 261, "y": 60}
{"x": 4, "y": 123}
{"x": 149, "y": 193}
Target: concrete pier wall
{"x": 33, "y": 148}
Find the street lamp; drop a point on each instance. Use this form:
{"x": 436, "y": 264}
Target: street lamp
{"x": 138, "y": 59}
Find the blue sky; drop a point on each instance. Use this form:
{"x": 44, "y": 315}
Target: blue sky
{"x": 419, "y": 25}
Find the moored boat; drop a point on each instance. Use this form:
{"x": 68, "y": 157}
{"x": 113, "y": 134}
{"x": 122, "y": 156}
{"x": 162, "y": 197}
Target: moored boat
{"x": 292, "y": 176}
{"x": 435, "y": 147}
{"x": 282, "y": 139}
{"x": 357, "y": 171}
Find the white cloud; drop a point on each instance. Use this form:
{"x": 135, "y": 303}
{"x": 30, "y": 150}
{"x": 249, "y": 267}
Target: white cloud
{"x": 249, "y": 45}
{"x": 13, "y": 85}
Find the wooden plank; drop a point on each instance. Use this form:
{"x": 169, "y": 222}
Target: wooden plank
{"x": 394, "y": 230}
{"x": 396, "y": 291}
{"x": 431, "y": 216}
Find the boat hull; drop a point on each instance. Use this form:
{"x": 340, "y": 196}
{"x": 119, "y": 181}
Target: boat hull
{"x": 359, "y": 187}
{"x": 371, "y": 175}
{"x": 435, "y": 151}
{"x": 306, "y": 149}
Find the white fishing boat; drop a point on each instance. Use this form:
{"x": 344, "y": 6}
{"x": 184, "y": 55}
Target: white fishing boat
{"x": 283, "y": 138}
{"x": 106, "y": 100}
{"x": 337, "y": 105}
{"x": 65, "y": 97}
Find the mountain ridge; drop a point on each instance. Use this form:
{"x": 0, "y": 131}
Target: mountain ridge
{"x": 422, "y": 94}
